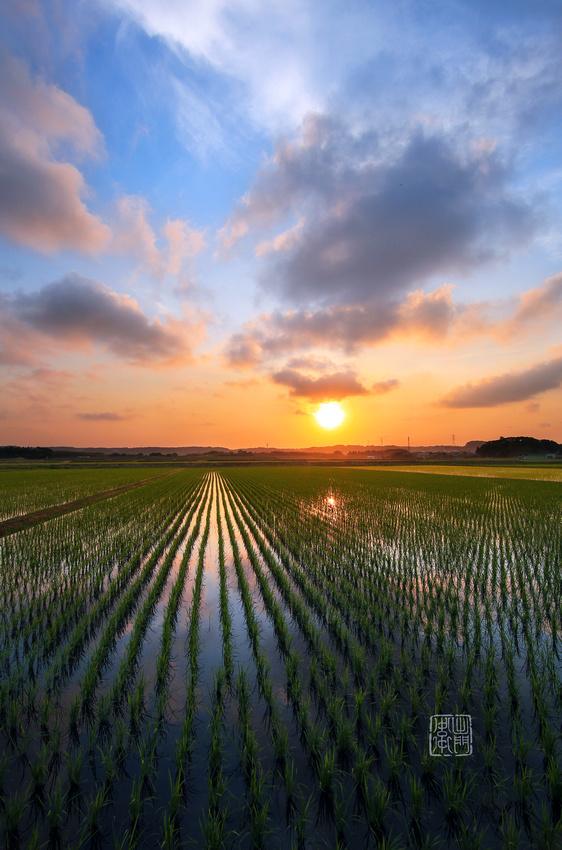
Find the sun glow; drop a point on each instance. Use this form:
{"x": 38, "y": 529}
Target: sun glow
{"x": 330, "y": 415}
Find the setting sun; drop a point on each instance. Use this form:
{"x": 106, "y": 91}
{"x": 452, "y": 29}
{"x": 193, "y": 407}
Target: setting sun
{"x": 330, "y": 415}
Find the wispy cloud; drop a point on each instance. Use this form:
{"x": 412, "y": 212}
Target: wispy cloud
{"x": 134, "y": 235}
{"x": 383, "y": 387}
{"x": 506, "y": 388}
{"x": 103, "y": 417}
{"x": 336, "y": 386}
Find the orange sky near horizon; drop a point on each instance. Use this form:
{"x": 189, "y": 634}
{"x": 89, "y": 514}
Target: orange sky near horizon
{"x": 216, "y": 217}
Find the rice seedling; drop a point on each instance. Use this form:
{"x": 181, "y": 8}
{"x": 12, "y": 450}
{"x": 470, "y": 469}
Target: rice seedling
{"x": 14, "y": 806}
{"x": 554, "y": 780}
{"x": 509, "y": 833}
{"x": 456, "y": 789}
{"x": 547, "y": 833}
{"x": 39, "y": 771}
{"x": 94, "y": 807}
{"x": 378, "y": 799}
{"x": 326, "y": 772}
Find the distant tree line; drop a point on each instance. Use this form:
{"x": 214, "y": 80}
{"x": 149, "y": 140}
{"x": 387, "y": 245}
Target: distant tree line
{"x": 518, "y": 446}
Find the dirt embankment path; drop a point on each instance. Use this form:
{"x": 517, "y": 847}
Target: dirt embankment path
{"x": 17, "y": 523}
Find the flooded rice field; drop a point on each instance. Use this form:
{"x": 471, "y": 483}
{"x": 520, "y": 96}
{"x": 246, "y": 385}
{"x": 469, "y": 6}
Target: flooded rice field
{"x": 285, "y": 658}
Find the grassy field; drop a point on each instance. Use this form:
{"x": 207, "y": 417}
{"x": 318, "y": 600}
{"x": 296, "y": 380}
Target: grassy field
{"x": 253, "y": 658}
{"x": 481, "y": 470}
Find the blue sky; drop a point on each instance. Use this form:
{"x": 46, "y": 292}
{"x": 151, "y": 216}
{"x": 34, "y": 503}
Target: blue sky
{"x": 215, "y": 216}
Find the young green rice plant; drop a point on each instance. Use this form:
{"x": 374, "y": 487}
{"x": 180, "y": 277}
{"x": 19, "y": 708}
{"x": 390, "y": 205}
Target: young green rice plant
{"x": 301, "y": 822}
{"x": 55, "y": 811}
{"x": 104, "y": 717}
{"x": 405, "y": 731}
{"x": 3, "y": 768}
{"x": 136, "y": 705}
{"x": 416, "y": 792}
{"x": 136, "y": 801}
{"x": 334, "y": 709}
{"x": 94, "y": 807}
{"x": 509, "y": 833}
{"x": 280, "y": 741}
{"x": 361, "y": 773}
{"x": 213, "y": 827}
{"x": 290, "y": 782}
{"x": 340, "y": 814}
{"x": 394, "y": 761}
{"x": 169, "y": 839}
{"x": 314, "y": 741}
{"x": 345, "y": 742}
{"x": 378, "y": 799}
{"x": 74, "y": 716}
{"x": 373, "y": 729}
{"x": 39, "y": 771}
{"x": 521, "y": 746}
{"x": 523, "y": 784}
{"x": 440, "y": 693}
{"x": 415, "y": 702}
{"x": 489, "y": 750}
{"x": 359, "y": 698}
{"x": 549, "y": 740}
{"x": 490, "y": 712}
{"x": 14, "y": 807}
{"x": 258, "y": 808}
{"x": 466, "y": 693}
{"x": 456, "y": 790}
{"x": 217, "y": 792}
{"x": 491, "y": 683}
{"x": 554, "y": 781}
{"x": 176, "y": 796}
{"x": 249, "y": 752}
{"x": 429, "y": 767}
{"x": 120, "y": 745}
{"x": 547, "y": 833}
{"x": 326, "y": 772}
{"x": 470, "y": 838}
{"x": 74, "y": 765}
{"x": 109, "y": 766}
{"x": 387, "y": 704}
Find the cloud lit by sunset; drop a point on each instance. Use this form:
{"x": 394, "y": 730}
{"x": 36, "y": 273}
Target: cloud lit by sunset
{"x": 216, "y": 216}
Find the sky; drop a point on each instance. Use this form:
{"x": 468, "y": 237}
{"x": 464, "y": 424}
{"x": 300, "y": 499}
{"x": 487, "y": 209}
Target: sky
{"x": 217, "y": 215}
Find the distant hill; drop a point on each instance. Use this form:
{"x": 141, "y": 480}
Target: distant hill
{"x": 338, "y": 450}
{"x": 143, "y": 450}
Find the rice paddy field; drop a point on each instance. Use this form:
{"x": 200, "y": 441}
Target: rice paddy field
{"x": 25, "y": 490}
{"x": 283, "y": 658}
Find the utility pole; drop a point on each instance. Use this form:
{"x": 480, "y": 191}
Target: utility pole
{"x": 453, "y": 441}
